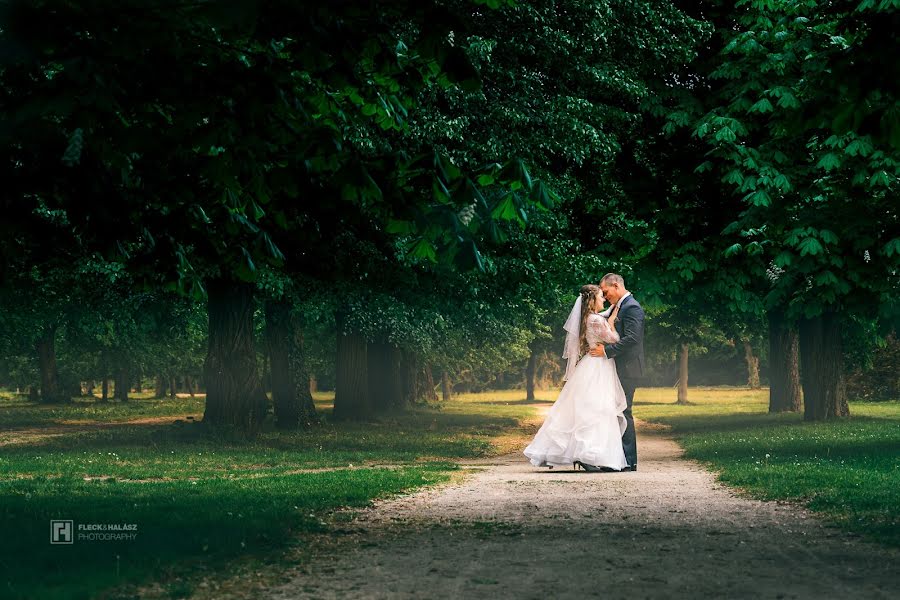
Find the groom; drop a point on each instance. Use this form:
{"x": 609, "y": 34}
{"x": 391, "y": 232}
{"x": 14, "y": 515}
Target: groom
{"x": 628, "y": 352}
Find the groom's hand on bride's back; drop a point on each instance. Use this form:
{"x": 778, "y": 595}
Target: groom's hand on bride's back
{"x": 598, "y": 351}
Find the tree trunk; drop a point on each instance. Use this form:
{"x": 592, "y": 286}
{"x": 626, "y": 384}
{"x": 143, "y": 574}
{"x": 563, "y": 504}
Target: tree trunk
{"x": 233, "y": 398}
{"x": 530, "y": 371}
{"x": 291, "y": 397}
{"x": 265, "y": 376}
{"x": 351, "y": 393}
{"x": 752, "y": 366}
{"x": 162, "y": 384}
{"x": 784, "y": 365}
{"x": 385, "y": 377}
{"x": 104, "y": 391}
{"x": 139, "y": 382}
{"x": 410, "y": 374}
{"x": 173, "y": 387}
{"x": 300, "y": 375}
{"x": 189, "y": 384}
{"x": 122, "y": 384}
{"x": 313, "y": 384}
{"x": 446, "y": 387}
{"x": 429, "y": 392}
{"x": 46, "y": 351}
{"x": 824, "y": 396}
{"x": 682, "y": 374}
{"x": 89, "y": 387}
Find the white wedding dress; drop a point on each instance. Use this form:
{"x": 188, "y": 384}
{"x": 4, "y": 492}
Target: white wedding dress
{"x": 586, "y": 422}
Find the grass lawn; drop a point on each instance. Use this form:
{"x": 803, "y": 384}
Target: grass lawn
{"x": 848, "y": 469}
{"x": 199, "y": 502}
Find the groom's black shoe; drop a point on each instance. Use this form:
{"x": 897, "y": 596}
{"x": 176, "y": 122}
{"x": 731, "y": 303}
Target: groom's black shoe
{"x": 630, "y": 468}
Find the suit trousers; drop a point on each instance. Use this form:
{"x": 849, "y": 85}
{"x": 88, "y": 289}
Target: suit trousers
{"x": 629, "y": 439}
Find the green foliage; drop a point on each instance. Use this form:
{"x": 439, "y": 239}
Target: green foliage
{"x": 209, "y": 175}
{"x": 448, "y": 172}
{"x": 816, "y": 169}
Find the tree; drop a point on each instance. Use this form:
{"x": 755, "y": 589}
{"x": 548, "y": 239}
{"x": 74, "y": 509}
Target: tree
{"x": 811, "y": 141}
{"x": 568, "y": 91}
{"x": 784, "y": 365}
{"x": 206, "y": 175}
{"x": 291, "y": 396}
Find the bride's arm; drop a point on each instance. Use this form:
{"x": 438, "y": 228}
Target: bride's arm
{"x": 604, "y": 330}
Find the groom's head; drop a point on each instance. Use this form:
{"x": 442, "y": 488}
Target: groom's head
{"x": 613, "y": 287}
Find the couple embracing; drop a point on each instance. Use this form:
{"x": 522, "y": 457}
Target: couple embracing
{"x": 591, "y": 425}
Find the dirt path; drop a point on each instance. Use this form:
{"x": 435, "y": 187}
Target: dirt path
{"x": 666, "y": 531}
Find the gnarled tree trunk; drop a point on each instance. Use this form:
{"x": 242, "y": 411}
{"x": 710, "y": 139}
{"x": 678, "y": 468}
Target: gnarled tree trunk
{"x": 173, "y": 387}
{"x": 234, "y": 397}
{"x": 822, "y": 361}
{"x": 784, "y": 365}
{"x": 291, "y": 398}
{"x": 682, "y": 374}
{"x": 351, "y": 394}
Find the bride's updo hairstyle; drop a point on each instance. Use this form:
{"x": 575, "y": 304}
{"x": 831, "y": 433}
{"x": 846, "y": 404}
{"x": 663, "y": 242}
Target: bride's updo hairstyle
{"x": 588, "y": 294}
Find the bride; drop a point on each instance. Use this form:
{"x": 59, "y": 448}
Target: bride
{"x": 585, "y": 425}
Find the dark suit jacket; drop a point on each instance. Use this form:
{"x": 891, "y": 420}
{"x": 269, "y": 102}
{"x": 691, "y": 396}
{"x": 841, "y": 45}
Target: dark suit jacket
{"x": 629, "y": 350}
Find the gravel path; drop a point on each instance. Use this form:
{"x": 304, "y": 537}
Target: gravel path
{"x": 667, "y": 531}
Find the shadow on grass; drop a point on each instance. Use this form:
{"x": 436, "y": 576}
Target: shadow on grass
{"x": 735, "y": 423}
{"x": 18, "y": 413}
{"x": 402, "y": 436}
{"x": 198, "y": 499}
{"x": 179, "y": 524}
{"x": 780, "y": 447}
{"x": 848, "y": 468}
